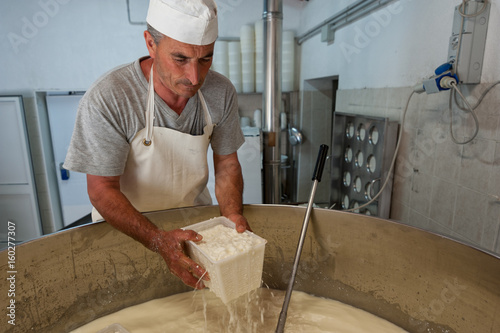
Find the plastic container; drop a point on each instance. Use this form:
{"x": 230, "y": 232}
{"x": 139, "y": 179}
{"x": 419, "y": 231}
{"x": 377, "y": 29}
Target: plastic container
{"x": 234, "y": 59}
{"x": 232, "y": 276}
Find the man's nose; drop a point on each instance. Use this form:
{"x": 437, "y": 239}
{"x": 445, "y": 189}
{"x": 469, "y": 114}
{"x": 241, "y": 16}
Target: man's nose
{"x": 193, "y": 73}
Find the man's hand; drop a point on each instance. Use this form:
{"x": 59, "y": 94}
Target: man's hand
{"x": 240, "y": 221}
{"x": 170, "y": 245}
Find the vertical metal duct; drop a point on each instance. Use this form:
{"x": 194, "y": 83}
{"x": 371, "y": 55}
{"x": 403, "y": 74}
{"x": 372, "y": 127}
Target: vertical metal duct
{"x": 273, "y": 26}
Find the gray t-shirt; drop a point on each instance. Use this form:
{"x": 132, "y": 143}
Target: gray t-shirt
{"x": 113, "y": 110}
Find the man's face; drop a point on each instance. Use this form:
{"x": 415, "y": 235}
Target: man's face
{"x": 180, "y": 68}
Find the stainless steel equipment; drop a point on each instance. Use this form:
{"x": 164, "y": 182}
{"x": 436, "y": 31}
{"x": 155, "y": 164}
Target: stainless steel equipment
{"x": 363, "y": 148}
{"x": 271, "y": 137}
{"x": 415, "y": 279}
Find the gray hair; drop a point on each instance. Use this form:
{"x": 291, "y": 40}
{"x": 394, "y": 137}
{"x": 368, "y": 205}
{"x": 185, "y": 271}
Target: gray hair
{"x": 157, "y": 36}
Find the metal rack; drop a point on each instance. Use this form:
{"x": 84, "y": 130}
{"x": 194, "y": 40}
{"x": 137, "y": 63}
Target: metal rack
{"x": 362, "y": 150}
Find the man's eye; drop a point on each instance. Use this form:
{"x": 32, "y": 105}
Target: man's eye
{"x": 180, "y": 60}
{"x": 205, "y": 60}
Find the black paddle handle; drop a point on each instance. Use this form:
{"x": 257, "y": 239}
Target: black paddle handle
{"x": 320, "y": 163}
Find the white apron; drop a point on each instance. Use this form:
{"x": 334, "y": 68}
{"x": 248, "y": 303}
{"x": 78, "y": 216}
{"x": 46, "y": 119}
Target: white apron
{"x": 168, "y": 169}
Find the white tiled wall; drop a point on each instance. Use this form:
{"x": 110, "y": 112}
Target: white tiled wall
{"x": 439, "y": 185}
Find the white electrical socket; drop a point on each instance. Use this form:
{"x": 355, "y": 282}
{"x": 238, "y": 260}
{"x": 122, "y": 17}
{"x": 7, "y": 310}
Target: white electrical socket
{"x": 470, "y": 61}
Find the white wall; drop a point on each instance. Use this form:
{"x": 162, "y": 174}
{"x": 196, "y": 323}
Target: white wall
{"x": 394, "y": 47}
{"x": 235, "y": 13}
{"x": 64, "y": 45}
{"x": 67, "y": 44}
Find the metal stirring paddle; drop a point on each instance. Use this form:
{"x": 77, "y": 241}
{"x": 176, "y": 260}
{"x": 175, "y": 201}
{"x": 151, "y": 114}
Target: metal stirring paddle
{"x": 318, "y": 171}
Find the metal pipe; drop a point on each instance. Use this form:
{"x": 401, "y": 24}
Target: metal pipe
{"x": 273, "y": 26}
{"x": 318, "y": 171}
{"x": 346, "y": 16}
{"x": 288, "y": 295}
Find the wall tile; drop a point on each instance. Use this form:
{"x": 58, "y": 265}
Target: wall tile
{"x": 424, "y": 153}
{"x": 396, "y": 99}
{"x": 491, "y": 224}
{"x": 494, "y": 182}
{"x": 447, "y": 161}
{"x": 401, "y": 189}
{"x": 379, "y": 104}
{"x": 487, "y": 111}
{"x": 470, "y": 215}
{"x": 438, "y": 228}
{"x": 443, "y": 197}
{"x": 496, "y": 248}
{"x": 413, "y": 112}
{"x": 430, "y": 119}
{"x": 342, "y": 99}
{"x": 488, "y": 126}
{"x": 490, "y": 102}
{"x": 403, "y": 169}
{"x": 477, "y": 164}
{"x": 418, "y": 220}
{"x": 458, "y": 119}
{"x": 421, "y": 188}
{"x": 399, "y": 211}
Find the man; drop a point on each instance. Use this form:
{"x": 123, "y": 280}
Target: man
{"x": 143, "y": 129}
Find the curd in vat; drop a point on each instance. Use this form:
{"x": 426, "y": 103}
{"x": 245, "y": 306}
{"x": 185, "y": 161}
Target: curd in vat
{"x": 257, "y": 312}
{"x": 221, "y": 242}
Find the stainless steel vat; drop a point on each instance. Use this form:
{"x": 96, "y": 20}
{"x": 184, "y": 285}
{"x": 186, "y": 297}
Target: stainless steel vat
{"x": 417, "y": 280}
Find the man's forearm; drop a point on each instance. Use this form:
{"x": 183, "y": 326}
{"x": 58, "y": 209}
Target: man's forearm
{"x": 117, "y": 210}
{"x": 229, "y": 186}
{"x": 229, "y": 189}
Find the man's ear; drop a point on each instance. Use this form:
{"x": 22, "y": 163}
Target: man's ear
{"x": 150, "y": 44}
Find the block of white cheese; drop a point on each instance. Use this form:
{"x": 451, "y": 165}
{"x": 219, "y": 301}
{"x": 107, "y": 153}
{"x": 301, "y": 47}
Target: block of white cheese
{"x": 233, "y": 260}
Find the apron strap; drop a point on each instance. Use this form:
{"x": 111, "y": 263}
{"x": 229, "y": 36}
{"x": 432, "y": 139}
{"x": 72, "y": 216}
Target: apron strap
{"x": 208, "y": 118}
{"x": 150, "y": 110}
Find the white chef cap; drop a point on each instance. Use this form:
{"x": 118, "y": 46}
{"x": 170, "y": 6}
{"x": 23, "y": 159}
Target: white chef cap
{"x": 187, "y": 21}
